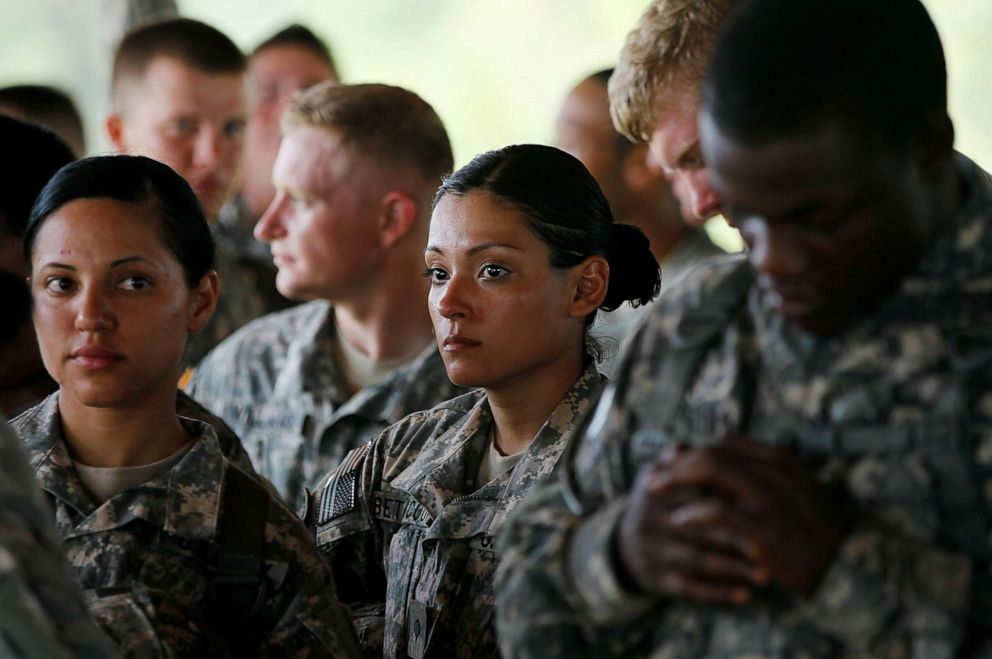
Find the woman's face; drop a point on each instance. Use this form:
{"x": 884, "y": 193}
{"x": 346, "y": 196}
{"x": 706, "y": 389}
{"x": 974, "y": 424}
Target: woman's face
{"x": 112, "y": 307}
{"x": 501, "y": 313}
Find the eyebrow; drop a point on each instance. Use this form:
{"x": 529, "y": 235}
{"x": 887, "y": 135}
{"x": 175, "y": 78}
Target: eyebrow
{"x": 478, "y": 248}
{"x": 113, "y": 264}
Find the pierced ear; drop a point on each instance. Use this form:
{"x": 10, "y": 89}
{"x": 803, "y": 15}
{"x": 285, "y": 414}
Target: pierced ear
{"x": 398, "y": 217}
{"x": 591, "y": 279}
{"x": 115, "y": 131}
{"x": 203, "y": 302}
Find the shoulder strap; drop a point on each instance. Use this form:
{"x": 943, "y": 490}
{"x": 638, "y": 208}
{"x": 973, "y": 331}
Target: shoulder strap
{"x": 238, "y": 587}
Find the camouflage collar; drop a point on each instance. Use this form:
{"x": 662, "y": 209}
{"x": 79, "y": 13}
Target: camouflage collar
{"x": 184, "y": 501}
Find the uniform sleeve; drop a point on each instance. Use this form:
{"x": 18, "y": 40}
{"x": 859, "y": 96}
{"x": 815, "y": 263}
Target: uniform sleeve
{"x": 42, "y": 613}
{"x": 310, "y": 619}
{"x": 341, "y": 512}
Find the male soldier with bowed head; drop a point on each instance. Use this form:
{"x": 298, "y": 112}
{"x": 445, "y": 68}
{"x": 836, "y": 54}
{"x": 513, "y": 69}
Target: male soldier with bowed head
{"x": 355, "y": 175}
{"x": 24, "y": 381}
{"x": 635, "y": 187}
{"x": 48, "y": 107}
{"x": 292, "y": 59}
{"x": 178, "y": 96}
{"x": 795, "y": 458}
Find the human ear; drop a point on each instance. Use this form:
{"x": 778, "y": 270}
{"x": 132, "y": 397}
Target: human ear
{"x": 398, "y": 217}
{"x": 203, "y": 301}
{"x": 590, "y": 279}
{"x": 936, "y": 144}
{"x": 115, "y": 131}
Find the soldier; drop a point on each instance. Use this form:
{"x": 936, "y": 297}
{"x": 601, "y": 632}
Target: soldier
{"x": 634, "y": 185}
{"x": 49, "y": 107}
{"x": 520, "y": 238}
{"x": 31, "y": 156}
{"x": 178, "y": 96}
{"x": 179, "y": 551}
{"x": 794, "y": 459}
{"x": 355, "y": 174}
{"x": 293, "y": 58}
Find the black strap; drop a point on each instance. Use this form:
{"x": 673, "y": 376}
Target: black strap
{"x": 238, "y": 587}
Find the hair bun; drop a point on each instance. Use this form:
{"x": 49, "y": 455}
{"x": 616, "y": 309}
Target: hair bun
{"x": 635, "y": 276}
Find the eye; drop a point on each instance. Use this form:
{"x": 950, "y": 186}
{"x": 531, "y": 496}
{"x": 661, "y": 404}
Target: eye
{"x": 135, "y": 283}
{"x": 234, "y": 128}
{"x": 493, "y": 271}
{"x": 436, "y": 275}
{"x": 59, "y": 285}
{"x": 184, "y": 126}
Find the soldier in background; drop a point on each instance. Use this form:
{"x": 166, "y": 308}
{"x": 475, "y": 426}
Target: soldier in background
{"x": 49, "y": 107}
{"x": 178, "y": 96}
{"x": 31, "y": 157}
{"x": 636, "y": 188}
{"x": 794, "y": 459}
{"x": 355, "y": 174}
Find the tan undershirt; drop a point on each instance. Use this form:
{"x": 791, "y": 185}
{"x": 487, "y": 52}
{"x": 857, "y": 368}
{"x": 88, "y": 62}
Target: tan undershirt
{"x": 359, "y": 371}
{"x": 495, "y": 463}
{"x": 103, "y": 483}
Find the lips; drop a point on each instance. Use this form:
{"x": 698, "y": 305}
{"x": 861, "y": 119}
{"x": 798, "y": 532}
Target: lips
{"x": 94, "y": 357}
{"x": 456, "y": 343}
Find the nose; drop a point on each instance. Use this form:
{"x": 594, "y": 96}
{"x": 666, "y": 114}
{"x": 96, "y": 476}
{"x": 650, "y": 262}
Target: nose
{"x": 94, "y": 312}
{"x": 452, "y": 300}
{"x": 704, "y": 201}
{"x": 773, "y": 250}
{"x": 270, "y": 226}
{"x": 207, "y": 148}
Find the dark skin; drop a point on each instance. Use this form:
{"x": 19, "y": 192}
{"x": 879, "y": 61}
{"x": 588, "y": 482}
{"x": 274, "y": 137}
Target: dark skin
{"x": 716, "y": 524}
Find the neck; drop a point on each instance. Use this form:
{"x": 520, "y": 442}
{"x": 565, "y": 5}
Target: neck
{"x": 121, "y": 436}
{"x": 660, "y": 218}
{"x": 389, "y": 322}
{"x": 521, "y": 407}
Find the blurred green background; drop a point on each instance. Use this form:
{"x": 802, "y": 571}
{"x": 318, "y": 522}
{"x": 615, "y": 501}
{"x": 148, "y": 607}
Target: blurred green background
{"x": 495, "y": 70}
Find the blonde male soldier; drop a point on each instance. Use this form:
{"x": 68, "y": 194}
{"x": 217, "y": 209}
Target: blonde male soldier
{"x": 355, "y": 174}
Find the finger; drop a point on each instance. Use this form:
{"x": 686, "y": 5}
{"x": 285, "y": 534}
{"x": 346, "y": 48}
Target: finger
{"x": 690, "y": 554}
{"x": 704, "y": 592}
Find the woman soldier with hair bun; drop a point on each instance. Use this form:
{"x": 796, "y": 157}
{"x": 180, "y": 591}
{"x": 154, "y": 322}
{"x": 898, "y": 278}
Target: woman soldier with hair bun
{"x": 522, "y": 253}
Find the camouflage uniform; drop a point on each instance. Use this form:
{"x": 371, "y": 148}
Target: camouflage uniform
{"x": 146, "y": 557}
{"x": 897, "y": 410}
{"x": 620, "y": 324}
{"x": 41, "y": 610}
{"x": 278, "y": 384}
{"x": 409, "y": 532}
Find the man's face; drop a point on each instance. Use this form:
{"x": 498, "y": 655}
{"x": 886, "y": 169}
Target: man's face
{"x": 675, "y": 145}
{"x": 274, "y": 74}
{"x": 831, "y": 225}
{"x": 191, "y": 120}
{"x": 584, "y": 129}
{"x": 322, "y": 224}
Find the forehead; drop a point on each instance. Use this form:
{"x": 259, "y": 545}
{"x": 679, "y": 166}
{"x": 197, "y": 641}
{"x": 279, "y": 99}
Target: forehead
{"x": 587, "y": 105}
{"x": 288, "y": 60}
{"x": 459, "y": 223}
{"x": 313, "y": 159}
{"x": 169, "y": 84}
{"x": 99, "y": 229}
{"x": 676, "y": 129}
{"x": 782, "y": 172}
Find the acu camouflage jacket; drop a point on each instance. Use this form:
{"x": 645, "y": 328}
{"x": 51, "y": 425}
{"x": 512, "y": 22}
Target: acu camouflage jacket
{"x": 42, "y": 613}
{"x": 277, "y": 383}
{"x": 410, "y": 534}
{"x": 146, "y": 558}
{"x": 897, "y": 411}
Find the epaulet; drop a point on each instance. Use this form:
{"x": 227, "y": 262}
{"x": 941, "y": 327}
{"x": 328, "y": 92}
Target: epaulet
{"x": 338, "y": 494}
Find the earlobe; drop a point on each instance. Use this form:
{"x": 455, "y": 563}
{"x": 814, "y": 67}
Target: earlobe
{"x": 592, "y": 277}
{"x": 203, "y": 302}
{"x": 399, "y": 216}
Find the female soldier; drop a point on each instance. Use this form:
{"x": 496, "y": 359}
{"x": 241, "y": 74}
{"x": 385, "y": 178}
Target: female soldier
{"x": 120, "y": 258}
{"x": 521, "y": 253}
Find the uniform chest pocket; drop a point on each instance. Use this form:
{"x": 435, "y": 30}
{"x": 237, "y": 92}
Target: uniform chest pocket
{"x": 924, "y": 481}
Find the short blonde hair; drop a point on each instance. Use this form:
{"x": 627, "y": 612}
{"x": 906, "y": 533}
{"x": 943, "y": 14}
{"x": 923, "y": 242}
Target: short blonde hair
{"x": 669, "y": 49}
{"x": 380, "y": 121}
